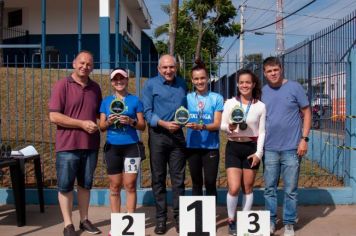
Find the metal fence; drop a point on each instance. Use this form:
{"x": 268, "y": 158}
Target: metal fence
{"x": 24, "y": 95}
{"x": 319, "y": 64}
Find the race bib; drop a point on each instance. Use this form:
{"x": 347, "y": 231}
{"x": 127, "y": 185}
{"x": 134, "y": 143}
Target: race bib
{"x": 132, "y": 164}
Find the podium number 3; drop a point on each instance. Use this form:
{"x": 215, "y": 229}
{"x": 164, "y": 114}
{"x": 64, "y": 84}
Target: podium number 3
{"x": 126, "y": 230}
{"x": 198, "y": 206}
{"x": 254, "y": 222}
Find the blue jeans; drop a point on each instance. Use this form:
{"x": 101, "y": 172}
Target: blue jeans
{"x": 286, "y": 164}
{"x": 78, "y": 164}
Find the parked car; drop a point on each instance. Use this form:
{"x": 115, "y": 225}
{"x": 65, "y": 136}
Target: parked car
{"x": 321, "y": 100}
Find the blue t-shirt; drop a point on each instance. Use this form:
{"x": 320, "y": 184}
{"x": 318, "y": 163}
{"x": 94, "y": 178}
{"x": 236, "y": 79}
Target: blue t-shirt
{"x": 209, "y": 104}
{"x": 161, "y": 99}
{"x": 124, "y": 134}
{"x": 283, "y": 119}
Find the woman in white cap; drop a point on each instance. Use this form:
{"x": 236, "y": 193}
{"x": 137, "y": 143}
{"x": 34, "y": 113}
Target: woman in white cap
{"x": 121, "y": 114}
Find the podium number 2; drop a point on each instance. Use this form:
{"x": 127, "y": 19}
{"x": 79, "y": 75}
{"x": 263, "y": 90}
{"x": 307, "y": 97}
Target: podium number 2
{"x": 254, "y": 222}
{"x": 126, "y": 230}
{"x": 198, "y": 206}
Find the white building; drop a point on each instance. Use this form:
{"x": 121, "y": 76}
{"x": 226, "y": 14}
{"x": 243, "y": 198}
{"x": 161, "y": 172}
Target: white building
{"x": 66, "y": 32}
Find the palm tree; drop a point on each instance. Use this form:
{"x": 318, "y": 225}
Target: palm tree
{"x": 173, "y": 25}
{"x": 215, "y": 15}
{"x": 1, "y": 30}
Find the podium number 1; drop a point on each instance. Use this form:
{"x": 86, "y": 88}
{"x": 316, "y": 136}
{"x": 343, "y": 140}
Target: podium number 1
{"x": 198, "y": 209}
{"x": 198, "y": 206}
{"x": 126, "y": 230}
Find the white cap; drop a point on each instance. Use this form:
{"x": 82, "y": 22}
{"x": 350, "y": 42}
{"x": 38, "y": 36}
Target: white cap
{"x": 118, "y": 71}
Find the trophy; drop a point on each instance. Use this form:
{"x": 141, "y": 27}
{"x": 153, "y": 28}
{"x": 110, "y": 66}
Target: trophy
{"x": 117, "y": 107}
{"x": 237, "y": 117}
{"x": 181, "y": 116}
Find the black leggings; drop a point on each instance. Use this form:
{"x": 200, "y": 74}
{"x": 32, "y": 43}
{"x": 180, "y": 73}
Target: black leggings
{"x": 207, "y": 159}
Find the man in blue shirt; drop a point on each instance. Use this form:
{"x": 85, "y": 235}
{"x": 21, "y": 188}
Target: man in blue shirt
{"x": 286, "y": 140}
{"x": 162, "y": 96}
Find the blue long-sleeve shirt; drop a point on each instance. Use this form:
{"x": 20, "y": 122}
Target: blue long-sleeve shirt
{"x": 161, "y": 99}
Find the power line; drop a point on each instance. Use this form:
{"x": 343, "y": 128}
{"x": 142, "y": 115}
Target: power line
{"x": 262, "y": 15}
{"x": 232, "y": 44}
{"x": 241, "y": 5}
{"x": 313, "y": 23}
{"x": 285, "y": 17}
{"x": 311, "y": 16}
{"x": 248, "y": 17}
{"x": 239, "y": 35}
{"x": 306, "y": 5}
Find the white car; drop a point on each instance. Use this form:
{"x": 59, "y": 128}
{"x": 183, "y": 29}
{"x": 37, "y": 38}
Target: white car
{"x": 320, "y": 99}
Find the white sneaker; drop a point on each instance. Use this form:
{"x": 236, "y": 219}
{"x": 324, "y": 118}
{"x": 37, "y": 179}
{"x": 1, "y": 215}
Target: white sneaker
{"x": 289, "y": 230}
{"x": 272, "y": 228}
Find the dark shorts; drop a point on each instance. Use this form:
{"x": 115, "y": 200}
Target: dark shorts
{"x": 78, "y": 164}
{"x": 236, "y": 154}
{"x": 122, "y": 158}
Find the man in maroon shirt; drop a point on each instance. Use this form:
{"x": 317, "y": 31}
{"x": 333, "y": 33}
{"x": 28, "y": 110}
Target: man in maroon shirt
{"x": 74, "y": 108}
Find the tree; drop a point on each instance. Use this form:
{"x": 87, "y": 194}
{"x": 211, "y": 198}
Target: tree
{"x": 1, "y": 30}
{"x": 198, "y": 29}
{"x": 216, "y": 15}
{"x": 161, "y": 47}
{"x": 254, "y": 58}
{"x": 173, "y": 25}
{"x": 254, "y": 62}
{"x": 186, "y": 39}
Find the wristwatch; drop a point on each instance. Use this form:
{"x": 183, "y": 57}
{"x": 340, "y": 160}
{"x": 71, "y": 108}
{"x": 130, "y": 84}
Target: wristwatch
{"x": 134, "y": 123}
{"x": 306, "y": 139}
{"x": 203, "y": 127}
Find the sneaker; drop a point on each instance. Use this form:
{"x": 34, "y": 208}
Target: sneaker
{"x": 232, "y": 228}
{"x": 160, "y": 227}
{"x": 289, "y": 230}
{"x": 69, "y": 230}
{"x": 272, "y": 229}
{"x": 87, "y": 226}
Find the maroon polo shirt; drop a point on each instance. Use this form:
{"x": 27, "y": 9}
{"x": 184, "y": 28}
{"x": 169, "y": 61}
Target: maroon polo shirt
{"x": 83, "y": 103}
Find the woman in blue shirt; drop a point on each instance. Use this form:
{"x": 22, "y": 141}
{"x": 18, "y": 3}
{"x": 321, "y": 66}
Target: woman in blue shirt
{"x": 205, "y": 110}
{"x": 122, "y": 149}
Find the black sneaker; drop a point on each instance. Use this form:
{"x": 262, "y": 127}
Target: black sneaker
{"x": 69, "y": 230}
{"x": 87, "y": 226}
{"x": 160, "y": 227}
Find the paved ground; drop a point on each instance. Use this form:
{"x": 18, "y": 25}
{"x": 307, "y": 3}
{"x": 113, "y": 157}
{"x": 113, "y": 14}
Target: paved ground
{"x": 313, "y": 220}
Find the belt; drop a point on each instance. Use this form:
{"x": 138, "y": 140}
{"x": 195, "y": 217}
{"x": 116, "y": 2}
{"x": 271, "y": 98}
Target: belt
{"x": 241, "y": 139}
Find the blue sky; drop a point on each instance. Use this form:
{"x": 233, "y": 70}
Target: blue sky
{"x": 309, "y": 21}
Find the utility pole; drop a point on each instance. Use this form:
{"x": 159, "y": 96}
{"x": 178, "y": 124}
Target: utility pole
{"x": 242, "y": 22}
{"x": 279, "y": 29}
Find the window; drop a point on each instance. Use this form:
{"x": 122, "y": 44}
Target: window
{"x": 129, "y": 26}
{"x": 15, "y": 18}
